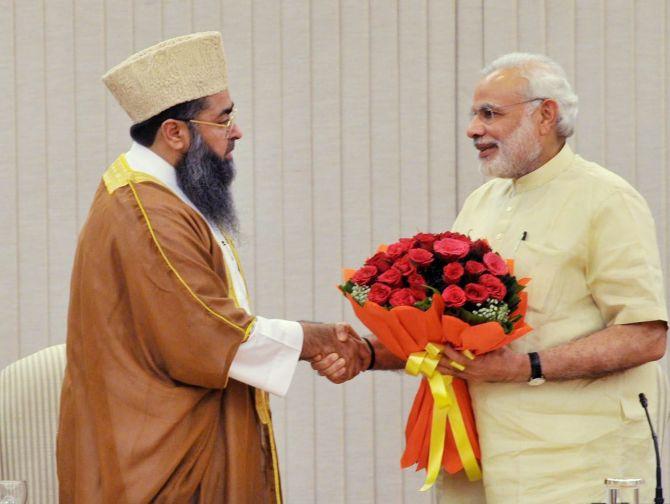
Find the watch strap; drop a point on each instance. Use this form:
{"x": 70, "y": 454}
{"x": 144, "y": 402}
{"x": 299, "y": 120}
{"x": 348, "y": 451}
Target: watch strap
{"x": 535, "y": 366}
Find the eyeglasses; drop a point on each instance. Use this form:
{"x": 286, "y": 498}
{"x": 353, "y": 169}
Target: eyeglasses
{"x": 489, "y": 113}
{"x": 227, "y": 125}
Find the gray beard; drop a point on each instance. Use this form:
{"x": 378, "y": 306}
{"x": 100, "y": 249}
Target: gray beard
{"x": 206, "y": 179}
{"x": 517, "y": 154}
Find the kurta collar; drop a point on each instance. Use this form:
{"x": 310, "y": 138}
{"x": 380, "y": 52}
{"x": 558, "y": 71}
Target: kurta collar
{"x": 547, "y": 172}
{"x": 143, "y": 159}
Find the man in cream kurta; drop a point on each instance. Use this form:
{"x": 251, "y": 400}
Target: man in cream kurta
{"x": 165, "y": 391}
{"x": 587, "y": 240}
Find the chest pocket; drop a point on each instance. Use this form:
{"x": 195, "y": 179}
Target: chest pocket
{"x": 548, "y": 269}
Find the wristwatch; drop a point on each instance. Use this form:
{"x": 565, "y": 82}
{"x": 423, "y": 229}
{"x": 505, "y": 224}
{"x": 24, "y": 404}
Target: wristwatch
{"x": 536, "y": 377}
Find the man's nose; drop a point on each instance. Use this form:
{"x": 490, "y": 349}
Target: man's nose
{"x": 475, "y": 128}
{"x": 235, "y": 132}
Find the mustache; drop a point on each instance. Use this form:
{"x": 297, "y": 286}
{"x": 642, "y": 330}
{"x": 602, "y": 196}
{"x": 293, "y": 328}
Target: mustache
{"x": 483, "y": 145}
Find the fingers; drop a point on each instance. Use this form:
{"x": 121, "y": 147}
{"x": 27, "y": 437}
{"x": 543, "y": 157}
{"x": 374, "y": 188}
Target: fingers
{"x": 341, "y": 331}
{"x": 341, "y": 354}
{"x": 324, "y": 363}
{"x": 332, "y": 367}
{"x": 454, "y": 355}
{"x": 339, "y": 369}
{"x": 454, "y": 363}
{"x": 345, "y": 332}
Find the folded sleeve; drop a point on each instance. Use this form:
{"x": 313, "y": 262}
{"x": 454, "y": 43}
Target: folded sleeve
{"x": 623, "y": 267}
{"x": 268, "y": 359}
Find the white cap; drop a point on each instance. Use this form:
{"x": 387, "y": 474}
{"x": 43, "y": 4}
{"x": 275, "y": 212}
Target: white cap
{"x": 171, "y": 72}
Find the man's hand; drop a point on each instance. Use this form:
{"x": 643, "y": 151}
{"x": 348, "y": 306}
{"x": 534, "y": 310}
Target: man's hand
{"x": 335, "y": 367}
{"x": 501, "y": 365}
{"x": 346, "y": 354}
{"x": 610, "y": 350}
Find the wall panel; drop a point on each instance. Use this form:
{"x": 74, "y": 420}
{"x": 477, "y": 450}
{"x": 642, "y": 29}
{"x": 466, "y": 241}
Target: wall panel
{"x": 9, "y": 271}
{"x": 619, "y": 120}
{"x": 590, "y": 79}
{"x": 59, "y": 137}
{"x": 32, "y": 190}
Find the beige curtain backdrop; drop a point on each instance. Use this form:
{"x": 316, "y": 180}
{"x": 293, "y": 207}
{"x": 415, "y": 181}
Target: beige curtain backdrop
{"x": 354, "y": 116}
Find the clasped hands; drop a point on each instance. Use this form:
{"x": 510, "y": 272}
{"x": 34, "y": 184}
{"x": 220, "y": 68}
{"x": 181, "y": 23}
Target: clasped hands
{"x": 335, "y": 351}
{"x": 338, "y": 353}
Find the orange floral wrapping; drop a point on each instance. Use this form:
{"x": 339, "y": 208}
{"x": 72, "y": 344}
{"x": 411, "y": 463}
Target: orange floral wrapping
{"x": 404, "y": 330}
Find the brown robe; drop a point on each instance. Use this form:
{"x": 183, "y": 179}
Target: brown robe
{"x": 148, "y": 413}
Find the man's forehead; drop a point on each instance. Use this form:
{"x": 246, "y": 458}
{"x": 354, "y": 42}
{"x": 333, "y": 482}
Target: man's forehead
{"x": 499, "y": 87}
{"x": 220, "y": 103}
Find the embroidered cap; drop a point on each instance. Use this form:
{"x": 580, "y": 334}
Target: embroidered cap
{"x": 171, "y": 72}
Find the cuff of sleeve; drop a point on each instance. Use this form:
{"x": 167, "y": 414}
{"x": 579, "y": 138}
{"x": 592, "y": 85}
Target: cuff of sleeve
{"x": 268, "y": 359}
{"x": 640, "y": 315}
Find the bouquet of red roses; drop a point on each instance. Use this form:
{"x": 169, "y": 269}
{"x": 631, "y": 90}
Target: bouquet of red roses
{"x": 420, "y": 293}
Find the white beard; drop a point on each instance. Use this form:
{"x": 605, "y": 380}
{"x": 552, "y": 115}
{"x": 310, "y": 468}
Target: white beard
{"x": 516, "y": 155}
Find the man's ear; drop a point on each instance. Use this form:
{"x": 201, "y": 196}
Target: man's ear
{"x": 175, "y": 134}
{"x": 548, "y": 116}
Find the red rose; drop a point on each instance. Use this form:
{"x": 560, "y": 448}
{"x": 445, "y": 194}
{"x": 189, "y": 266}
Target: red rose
{"x": 381, "y": 261}
{"x": 419, "y": 293}
{"x": 455, "y": 236}
{"x": 396, "y": 250}
{"x": 425, "y": 240}
{"x": 452, "y": 272}
{"x": 495, "y": 287}
{"x": 474, "y": 268}
{"x": 451, "y": 248}
{"x": 476, "y": 293}
{"x": 454, "y": 296}
{"x": 402, "y": 297}
{"x": 379, "y": 293}
{"x": 391, "y": 277}
{"x": 416, "y": 281}
{"x": 404, "y": 266}
{"x": 481, "y": 247}
{"x": 409, "y": 243}
{"x": 495, "y": 264}
{"x": 420, "y": 256}
{"x": 364, "y": 275}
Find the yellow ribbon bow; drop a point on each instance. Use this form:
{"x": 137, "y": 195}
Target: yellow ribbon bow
{"x": 445, "y": 407}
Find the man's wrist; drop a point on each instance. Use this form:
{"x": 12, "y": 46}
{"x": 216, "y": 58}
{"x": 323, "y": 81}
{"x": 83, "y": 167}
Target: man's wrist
{"x": 309, "y": 350}
{"x": 372, "y": 355}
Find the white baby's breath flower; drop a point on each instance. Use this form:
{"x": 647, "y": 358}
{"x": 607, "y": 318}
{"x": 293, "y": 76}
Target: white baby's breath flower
{"x": 360, "y": 293}
{"x": 496, "y": 311}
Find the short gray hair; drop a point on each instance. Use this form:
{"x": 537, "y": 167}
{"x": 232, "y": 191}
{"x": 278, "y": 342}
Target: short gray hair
{"x": 546, "y": 79}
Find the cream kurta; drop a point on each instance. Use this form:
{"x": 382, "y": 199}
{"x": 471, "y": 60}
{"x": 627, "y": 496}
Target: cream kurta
{"x": 590, "y": 249}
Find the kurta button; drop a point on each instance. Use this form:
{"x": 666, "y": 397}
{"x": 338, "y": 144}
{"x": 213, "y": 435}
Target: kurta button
{"x": 498, "y": 236}
{"x": 509, "y": 209}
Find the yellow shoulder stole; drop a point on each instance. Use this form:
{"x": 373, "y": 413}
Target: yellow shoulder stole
{"x": 119, "y": 174}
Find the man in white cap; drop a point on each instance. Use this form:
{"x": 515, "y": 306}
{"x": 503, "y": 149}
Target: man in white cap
{"x": 165, "y": 391}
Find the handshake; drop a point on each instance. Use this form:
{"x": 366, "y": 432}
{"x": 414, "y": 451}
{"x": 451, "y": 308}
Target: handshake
{"x": 335, "y": 351}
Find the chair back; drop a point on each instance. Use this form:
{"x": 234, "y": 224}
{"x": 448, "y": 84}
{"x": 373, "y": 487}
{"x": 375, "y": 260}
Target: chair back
{"x": 29, "y": 405}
